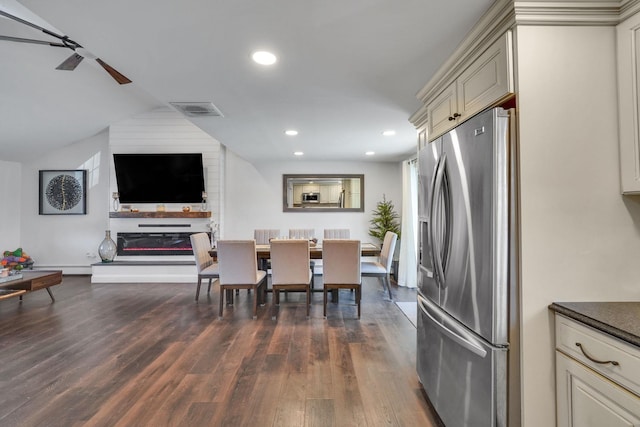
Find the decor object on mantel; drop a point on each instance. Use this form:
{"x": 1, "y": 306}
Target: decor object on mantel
{"x": 107, "y": 249}
{"x": 203, "y": 205}
{"x": 385, "y": 218}
{"x": 16, "y": 260}
{"x": 116, "y": 201}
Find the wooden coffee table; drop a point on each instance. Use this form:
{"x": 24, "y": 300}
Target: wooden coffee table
{"x": 31, "y": 281}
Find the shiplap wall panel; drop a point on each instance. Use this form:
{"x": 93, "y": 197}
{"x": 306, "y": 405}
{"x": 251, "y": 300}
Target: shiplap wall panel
{"x": 167, "y": 131}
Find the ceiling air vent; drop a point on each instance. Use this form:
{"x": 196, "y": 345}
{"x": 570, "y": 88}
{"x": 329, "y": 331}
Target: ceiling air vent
{"x": 197, "y": 109}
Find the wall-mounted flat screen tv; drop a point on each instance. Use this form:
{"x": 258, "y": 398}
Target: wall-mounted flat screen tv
{"x": 159, "y": 178}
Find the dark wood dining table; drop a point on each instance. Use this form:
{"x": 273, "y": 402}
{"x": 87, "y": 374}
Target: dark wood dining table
{"x": 315, "y": 252}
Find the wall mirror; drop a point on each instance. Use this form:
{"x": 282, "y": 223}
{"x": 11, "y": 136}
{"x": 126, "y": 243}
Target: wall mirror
{"x": 323, "y": 193}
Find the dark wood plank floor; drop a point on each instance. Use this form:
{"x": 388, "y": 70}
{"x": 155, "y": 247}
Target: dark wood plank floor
{"x": 149, "y": 355}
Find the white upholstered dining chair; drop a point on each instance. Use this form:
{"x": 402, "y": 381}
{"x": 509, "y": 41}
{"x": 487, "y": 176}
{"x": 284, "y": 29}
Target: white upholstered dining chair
{"x": 207, "y": 269}
{"x": 382, "y": 267}
{"x": 239, "y": 270}
{"x": 305, "y": 233}
{"x": 263, "y": 236}
{"x": 341, "y": 268}
{"x": 301, "y": 233}
{"x": 336, "y": 233}
{"x": 290, "y": 269}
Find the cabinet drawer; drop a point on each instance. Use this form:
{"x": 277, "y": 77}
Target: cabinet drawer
{"x": 601, "y": 347}
{"x": 46, "y": 281}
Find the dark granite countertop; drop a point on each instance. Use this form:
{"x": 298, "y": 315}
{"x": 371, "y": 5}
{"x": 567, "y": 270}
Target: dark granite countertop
{"x": 619, "y": 319}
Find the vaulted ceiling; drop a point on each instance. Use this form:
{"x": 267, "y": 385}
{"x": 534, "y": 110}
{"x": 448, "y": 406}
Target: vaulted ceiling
{"x": 346, "y": 71}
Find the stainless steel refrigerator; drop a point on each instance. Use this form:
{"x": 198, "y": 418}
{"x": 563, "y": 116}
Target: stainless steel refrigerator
{"x": 468, "y": 310}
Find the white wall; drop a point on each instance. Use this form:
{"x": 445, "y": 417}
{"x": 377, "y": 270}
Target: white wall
{"x": 63, "y": 241}
{"x": 254, "y": 196}
{"x": 10, "y": 208}
{"x": 580, "y": 237}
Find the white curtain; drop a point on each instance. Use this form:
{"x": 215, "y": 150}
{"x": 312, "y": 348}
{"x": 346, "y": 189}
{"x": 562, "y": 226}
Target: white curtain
{"x": 408, "y": 264}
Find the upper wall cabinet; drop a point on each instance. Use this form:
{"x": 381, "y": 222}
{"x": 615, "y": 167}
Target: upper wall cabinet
{"x": 628, "y": 98}
{"x": 484, "y": 82}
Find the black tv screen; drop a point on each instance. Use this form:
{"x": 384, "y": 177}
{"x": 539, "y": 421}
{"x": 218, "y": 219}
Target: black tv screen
{"x": 159, "y": 178}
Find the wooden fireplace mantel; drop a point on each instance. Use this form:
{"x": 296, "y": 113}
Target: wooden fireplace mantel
{"x": 156, "y": 214}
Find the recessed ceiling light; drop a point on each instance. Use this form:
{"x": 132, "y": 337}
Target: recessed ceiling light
{"x": 298, "y": 153}
{"x": 389, "y": 132}
{"x": 291, "y": 132}
{"x": 264, "y": 58}
{"x": 370, "y": 153}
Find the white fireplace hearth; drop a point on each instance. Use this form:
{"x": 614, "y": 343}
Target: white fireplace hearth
{"x": 153, "y": 247}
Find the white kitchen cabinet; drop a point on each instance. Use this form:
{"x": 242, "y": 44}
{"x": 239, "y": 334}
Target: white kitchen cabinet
{"x": 597, "y": 377}
{"x": 443, "y": 111}
{"x": 328, "y": 193}
{"x": 628, "y": 39}
{"x": 485, "y": 81}
{"x": 310, "y": 188}
{"x": 297, "y": 194}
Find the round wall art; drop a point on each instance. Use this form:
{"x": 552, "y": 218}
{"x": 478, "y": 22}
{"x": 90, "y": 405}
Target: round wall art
{"x": 63, "y": 192}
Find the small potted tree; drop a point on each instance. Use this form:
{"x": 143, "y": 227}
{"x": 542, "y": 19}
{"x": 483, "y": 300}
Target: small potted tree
{"x": 385, "y": 218}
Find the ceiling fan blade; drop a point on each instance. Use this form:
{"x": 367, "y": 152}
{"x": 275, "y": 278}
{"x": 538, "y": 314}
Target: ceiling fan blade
{"x": 113, "y": 72}
{"x": 32, "y": 41}
{"x": 66, "y": 40}
{"x": 71, "y": 62}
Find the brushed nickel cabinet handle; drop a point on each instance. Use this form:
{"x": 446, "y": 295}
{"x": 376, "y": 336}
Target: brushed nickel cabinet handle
{"x": 602, "y": 362}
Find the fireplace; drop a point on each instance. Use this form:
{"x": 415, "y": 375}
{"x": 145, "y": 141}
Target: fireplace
{"x": 133, "y": 244}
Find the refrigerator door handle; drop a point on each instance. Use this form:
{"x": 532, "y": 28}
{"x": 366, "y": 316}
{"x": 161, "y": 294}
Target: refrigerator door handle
{"x": 435, "y": 195}
{"x": 430, "y": 224}
{"x": 453, "y": 331}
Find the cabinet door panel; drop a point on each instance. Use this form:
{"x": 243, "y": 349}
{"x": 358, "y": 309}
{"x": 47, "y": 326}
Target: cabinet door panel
{"x": 487, "y": 80}
{"x": 440, "y": 110}
{"x": 587, "y": 399}
{"x": 628, "y": 97}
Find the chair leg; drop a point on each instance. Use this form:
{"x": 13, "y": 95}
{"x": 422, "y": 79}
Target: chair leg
{"x": 324, "y": 311}
{"x": 308, "y": 300}
{"x": 209, "y": 288}
{"x": 263, "y": 291}
{"x": 255, "y": 303}
{"x": 358, "y": 298}
{"x": 221, "y": 301}
{"x": 388, "y": 281}
{"x": 276, "y": 303}
{"x": 198, "y": 288}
